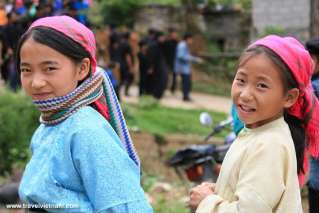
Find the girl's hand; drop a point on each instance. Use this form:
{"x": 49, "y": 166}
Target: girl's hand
{"x": 198, "y": 193}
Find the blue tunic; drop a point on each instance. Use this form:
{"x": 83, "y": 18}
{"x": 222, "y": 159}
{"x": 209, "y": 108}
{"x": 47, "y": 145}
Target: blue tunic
{"x": 81, "y": 165}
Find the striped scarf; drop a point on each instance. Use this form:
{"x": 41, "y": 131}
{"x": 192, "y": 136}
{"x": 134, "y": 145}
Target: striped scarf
{"x": 96, "y": 87}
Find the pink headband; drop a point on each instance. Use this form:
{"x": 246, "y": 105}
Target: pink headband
{"x": 72, "y": 29}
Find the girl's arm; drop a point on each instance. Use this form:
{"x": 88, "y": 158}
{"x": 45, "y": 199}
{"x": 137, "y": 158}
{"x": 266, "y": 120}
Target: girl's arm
{"x": 110, "y": 178}
{"x": 260, "y": 185}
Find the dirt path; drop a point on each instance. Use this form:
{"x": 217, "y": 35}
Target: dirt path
{"x": 199, "y": 101}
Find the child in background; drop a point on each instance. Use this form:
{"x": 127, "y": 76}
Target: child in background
{"x": 274, "y": 99}
{"x": 83, "y": 159}
{"x": 313, "y": 183}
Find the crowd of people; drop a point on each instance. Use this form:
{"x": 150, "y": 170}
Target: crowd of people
{"x": 16, "y": 17}
{"x": 154, "y": 60}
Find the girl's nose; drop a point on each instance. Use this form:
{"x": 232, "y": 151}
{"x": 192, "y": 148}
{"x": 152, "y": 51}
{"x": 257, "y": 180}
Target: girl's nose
{"x": 246, "y": 94}
{"x": 38, "y": 82}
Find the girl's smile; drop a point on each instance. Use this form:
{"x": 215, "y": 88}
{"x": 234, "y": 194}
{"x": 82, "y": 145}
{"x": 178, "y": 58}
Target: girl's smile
{"x": 41, "y": 95}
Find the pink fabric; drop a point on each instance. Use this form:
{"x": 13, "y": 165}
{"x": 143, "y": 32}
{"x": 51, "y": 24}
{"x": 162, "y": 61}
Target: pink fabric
{"x": 82, "y": 35}
{"x": 72, "y": 29}
{"x": 297, "y": 58}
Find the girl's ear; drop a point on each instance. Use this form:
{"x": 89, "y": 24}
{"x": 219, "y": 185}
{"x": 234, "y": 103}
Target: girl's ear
{"x": 291, "y": 97}
{"x": 84, "y": 69}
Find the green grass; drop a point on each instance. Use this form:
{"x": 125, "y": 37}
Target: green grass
{"x": 149, "y": 116}
{"x": 163, "y": 2}
{"x": 169, "y": 206}
{"x": 223, "y": 89}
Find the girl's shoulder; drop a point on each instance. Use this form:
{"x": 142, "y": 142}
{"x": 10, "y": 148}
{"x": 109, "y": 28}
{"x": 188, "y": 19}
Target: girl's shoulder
{"x": 276, "y": 133}
{"x": 89, "y": 126}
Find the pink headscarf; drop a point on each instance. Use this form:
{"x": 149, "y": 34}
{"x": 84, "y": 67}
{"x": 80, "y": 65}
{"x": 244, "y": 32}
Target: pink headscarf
{"x": 80, "y": 34}
{"x": 298, "y": 59}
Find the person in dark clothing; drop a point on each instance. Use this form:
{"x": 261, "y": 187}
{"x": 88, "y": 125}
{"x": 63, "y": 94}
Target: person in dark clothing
{"x": 170, "y": 45}
{"x": 158, "y": 67}
{"x": 114, "y": 45}
{"x": 4, "y": 73}
{"x": 11, "y": 35}
{"x": 144, "y": 68}
{"x": 126, "y": 63}
{"x": 150, "y": 37}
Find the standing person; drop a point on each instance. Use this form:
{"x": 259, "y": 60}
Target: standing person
{"x": 158, "y": 66}
{"x": 170, "y": 45}
{"x": 11, "y": 35}
{"x": 144, "y": 67}
{"x": 83, "y": 159}
{"x": 183, "y": 62}
{"x": 126, "y": 63}
{"x": 274, "y": 99}
{"x": 150, "y": 37}
{"x": 313, "y": 183}
{"x": 114, "y": 53}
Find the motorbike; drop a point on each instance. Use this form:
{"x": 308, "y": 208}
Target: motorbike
{"x": 201, "y": 162}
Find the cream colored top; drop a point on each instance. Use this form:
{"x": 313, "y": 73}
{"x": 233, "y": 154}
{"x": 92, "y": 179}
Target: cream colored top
{"x": 259, "y": 174}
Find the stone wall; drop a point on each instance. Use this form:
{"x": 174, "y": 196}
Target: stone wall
{"x": 314, "y": 25}
{"x": 293, "y": 16}
{"x": 159, "y": 17}
{"x": 228, "y": 28}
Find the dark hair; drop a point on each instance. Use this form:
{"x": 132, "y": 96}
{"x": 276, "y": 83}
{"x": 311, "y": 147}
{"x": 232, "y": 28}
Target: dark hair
{"x": 151, "y": 31}
{"x": 142, "y": 43}
{"x": 55, "y": 40}
{"x": 158, "y": 34}
{"x": 171, "y": 30}
{"x": 187, "y": 36}
{"x": 296, "y": 125}
{"x": 125, "y": 35}
{"x": 313, "y": 46}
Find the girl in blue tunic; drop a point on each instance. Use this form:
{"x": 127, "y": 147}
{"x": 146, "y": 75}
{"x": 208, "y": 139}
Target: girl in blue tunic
{"x": 83, "y": 159}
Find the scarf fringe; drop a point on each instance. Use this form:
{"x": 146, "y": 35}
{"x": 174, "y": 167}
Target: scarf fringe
{"x": 117, "y": 120}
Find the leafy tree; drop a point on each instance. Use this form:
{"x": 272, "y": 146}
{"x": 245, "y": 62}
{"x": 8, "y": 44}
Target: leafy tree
{"x": 245, "y": 4}
{"x": 119, "y": 12}
{"x": 277, "y": 30}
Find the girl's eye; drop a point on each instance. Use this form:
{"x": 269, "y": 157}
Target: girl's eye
{"x": 262, "y": 85}
{"x": 240, "y": 81}
{"x": 25, "y": 70}
{"x": 50, "y": 69}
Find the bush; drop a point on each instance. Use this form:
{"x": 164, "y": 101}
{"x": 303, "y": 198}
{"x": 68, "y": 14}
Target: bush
{"x": 276, "y": 30}
{"x": 120, "y": 12}
{"x": 18, "y": 120}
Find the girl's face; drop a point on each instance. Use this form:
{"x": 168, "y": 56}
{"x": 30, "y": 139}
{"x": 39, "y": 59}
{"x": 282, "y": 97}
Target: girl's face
{"x": 46, "y": 73}
{"x": 258, "y": 92}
